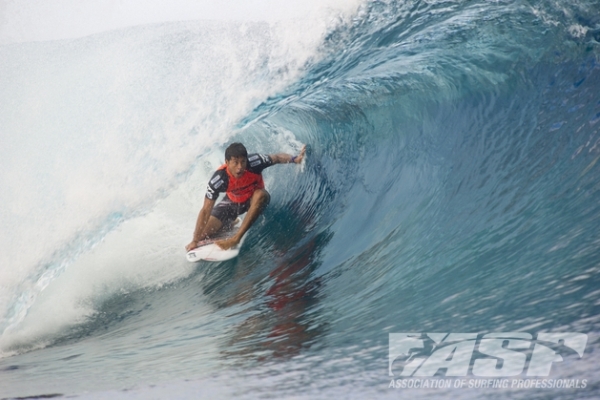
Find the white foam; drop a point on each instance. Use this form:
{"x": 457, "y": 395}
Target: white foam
{"x": 39, "y": 20}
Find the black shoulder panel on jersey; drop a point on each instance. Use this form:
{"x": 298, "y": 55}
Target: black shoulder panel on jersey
{"x": 217, "y": 184}
{"x": 258, "y": 162}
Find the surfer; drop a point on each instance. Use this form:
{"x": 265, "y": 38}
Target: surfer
{"x": 240, "y": 178}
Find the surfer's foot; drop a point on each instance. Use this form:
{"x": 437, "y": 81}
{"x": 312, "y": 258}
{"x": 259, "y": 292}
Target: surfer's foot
{"x": 194, "y": 245}
{"x": 227, "y": 244}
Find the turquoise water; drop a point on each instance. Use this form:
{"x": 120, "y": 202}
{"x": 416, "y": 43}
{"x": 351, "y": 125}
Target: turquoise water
{"x": 451, "y": 185}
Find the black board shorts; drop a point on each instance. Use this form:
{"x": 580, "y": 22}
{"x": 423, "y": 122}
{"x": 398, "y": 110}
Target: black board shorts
{"x": 227, "y": 211}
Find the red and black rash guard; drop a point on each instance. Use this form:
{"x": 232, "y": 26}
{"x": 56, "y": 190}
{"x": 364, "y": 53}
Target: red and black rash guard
{"x": 239, "y": 190}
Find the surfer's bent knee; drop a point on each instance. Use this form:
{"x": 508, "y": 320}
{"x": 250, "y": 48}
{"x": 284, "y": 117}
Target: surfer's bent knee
{"x": 263, "y": 197}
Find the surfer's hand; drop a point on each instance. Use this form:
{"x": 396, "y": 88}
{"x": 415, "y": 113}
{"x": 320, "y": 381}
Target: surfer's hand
{"x": 298, "y": 159}
{"x": 227, "y": 244}
{"x": 191, "y": 246}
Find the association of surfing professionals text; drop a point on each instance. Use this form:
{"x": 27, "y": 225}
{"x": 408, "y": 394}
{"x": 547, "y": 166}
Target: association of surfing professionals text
{"x": 498, "y": 360}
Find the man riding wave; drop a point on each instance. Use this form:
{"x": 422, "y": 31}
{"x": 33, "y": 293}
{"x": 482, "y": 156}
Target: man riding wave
{"x": 240, "y": 178}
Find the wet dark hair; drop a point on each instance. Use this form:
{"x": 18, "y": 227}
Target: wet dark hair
{"x": 236, "y": 150}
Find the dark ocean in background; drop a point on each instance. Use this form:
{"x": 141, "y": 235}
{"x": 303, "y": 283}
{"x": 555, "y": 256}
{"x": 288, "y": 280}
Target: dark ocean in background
{"x": 452, "y": 184}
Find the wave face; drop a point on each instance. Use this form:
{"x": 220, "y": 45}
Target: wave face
{"x": 451, "y": 185}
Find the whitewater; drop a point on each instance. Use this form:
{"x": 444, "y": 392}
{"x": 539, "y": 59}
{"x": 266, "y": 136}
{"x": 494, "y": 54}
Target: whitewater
{"x": 451, "y": 184}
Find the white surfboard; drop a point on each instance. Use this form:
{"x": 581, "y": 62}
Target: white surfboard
{"x": 209, "y": 251}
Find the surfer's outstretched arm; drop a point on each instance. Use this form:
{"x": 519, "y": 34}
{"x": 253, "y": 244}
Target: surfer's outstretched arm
{"x": 202, "y": 224}
{"x": 283, "y": 158}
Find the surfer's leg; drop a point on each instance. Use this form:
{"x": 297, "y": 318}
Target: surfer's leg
{"x": 222, "y": 216}
{"x": 259, "y": 200}
{"x": 213, "y": 227}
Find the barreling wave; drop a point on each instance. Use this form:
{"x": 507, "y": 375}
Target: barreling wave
{"x": 450, "y": 185}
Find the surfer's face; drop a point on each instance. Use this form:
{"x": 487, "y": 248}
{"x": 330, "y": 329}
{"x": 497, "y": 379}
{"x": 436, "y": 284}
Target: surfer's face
{"x": 236, "y": 166}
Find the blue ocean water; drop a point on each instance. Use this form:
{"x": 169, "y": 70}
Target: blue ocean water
{"x": 451, "y": 185}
